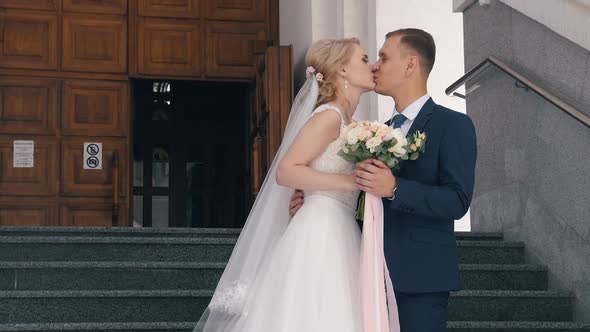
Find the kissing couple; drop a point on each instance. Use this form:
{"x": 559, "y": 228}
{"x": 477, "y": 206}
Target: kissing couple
{"x": 296, "y": 266}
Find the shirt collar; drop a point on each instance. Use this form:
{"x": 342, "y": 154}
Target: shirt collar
{"x": 411, "y": 112}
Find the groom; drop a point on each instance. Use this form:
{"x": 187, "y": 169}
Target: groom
{"x": 424, "y": 197}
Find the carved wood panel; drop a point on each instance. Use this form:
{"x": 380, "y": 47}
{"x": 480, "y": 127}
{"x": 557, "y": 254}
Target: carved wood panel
{"x": 96, "y": 108}
{"x": 49, "y": 5}
{"x": 237, "y": 10}
{"x": 40, "y": 180}
{"x": 231, "y": 47}
{"x": 279, "y": 84}
{"x": 95, "y": 44}
{"x": 169, "y": 47}
{"x": 170, "y": 8}
{"x": 77, "y": 181}
{"x": 26, "y": 211}
{"x": 28, "y": 40}
{"x": 90, "y": 212}
{"x": 28, "y": 105}
{"x": 274, "y": 85}
{"x": 96, "y": 6}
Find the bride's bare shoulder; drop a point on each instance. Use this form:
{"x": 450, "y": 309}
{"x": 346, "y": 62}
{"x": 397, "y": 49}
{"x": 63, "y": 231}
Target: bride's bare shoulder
{"x": 326, "y": 119}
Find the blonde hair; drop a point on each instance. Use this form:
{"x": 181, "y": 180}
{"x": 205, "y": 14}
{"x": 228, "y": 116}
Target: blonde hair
{"x": 325, "y": 55}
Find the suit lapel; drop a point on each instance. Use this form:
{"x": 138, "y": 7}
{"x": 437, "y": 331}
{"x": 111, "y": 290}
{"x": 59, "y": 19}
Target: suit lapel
{"x": 419, "y": 124}
{"x": 423, "y": 117}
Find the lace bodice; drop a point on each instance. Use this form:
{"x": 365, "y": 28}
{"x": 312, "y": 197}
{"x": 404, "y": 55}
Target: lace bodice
{"x": 330, "y": 162}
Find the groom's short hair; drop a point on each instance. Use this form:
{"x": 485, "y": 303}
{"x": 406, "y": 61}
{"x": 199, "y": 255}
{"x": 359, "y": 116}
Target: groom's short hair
{"x": 421, "y": 42}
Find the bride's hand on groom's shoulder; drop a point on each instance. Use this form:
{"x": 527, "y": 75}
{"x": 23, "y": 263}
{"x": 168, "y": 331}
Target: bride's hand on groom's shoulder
{"x": 296, "y": 202}
{"x": 374, "y": 176}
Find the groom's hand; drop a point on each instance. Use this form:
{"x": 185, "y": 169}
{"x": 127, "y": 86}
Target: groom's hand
{"x": 296, "y": 202}
{"x": 374, "y": 177}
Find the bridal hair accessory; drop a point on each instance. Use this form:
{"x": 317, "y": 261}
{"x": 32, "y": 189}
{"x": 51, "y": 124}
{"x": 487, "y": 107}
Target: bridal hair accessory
{"x": 310, "y": 71}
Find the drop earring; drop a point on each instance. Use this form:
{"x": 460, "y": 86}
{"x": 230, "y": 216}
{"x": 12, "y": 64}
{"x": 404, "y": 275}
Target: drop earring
{"x": 346, "y": 84}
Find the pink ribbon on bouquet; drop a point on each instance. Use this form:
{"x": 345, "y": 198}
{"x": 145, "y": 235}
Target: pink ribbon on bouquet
{"x": 379, "y": 308}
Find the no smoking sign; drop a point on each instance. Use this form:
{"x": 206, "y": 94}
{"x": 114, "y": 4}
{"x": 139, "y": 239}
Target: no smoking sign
{"x": 92, "y": 155}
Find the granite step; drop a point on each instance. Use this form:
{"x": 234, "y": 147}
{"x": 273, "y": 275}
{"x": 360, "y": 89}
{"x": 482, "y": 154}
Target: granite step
{"x": 101, "y": 327}
{"x": 503, "y": 277}
{"x": 513, "y": 305}
{"x": 120, "y": 232}
{"x": 205, "y": 275}
{"x": 187, "y": 305}
{"x": 518, "y": 327}
{"x": 491, "y": 252}
{"x": 102, "y": 306}
{"x": 479, "y": 236}
{"x": 174, "y": 232}
{"x": 181, "y": 249}
{"x": 109, "y": 275}
{"x": 188, "y": 327}
{"x": 127, "y": 249}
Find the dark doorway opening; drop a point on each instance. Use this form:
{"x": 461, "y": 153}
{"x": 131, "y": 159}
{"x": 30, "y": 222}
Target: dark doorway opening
{"x": 191, "y": 151}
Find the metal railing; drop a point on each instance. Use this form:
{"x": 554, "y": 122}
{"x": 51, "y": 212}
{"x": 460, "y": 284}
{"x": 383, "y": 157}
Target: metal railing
{"x": 492, "y": 61}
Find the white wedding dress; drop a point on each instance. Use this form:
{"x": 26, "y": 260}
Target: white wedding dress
{"x": 311, "y": 283}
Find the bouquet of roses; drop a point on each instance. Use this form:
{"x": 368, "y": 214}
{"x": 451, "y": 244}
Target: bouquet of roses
{"x": 363, "y": 140}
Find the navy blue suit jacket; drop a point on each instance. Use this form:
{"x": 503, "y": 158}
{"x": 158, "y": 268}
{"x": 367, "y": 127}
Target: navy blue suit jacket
{"x": 432, "y": 192}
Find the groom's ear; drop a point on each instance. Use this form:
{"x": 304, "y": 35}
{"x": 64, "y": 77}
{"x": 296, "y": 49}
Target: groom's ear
{"x": 412, "y": 65}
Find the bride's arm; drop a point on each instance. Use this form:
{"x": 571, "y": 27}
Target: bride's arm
{"x": 311, "y": 141}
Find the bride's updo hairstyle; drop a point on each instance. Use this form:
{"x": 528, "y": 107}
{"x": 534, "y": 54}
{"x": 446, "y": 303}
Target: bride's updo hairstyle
{"x": 325, "y": 55}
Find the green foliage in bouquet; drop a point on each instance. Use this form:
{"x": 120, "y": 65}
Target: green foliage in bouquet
{"x": 365, "y": 140}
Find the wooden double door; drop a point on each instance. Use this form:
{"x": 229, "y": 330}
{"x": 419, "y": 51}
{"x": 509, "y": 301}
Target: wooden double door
{"x": 67, "y": 69}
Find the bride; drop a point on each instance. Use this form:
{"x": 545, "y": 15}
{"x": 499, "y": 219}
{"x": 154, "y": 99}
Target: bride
{"x": 302, "y": 274}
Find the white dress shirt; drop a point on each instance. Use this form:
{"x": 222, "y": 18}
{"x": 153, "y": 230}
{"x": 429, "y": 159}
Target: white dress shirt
{"x": 411, "y": 112}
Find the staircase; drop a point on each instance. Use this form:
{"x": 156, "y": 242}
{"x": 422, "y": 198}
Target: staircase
{"x": 99, "y": 279}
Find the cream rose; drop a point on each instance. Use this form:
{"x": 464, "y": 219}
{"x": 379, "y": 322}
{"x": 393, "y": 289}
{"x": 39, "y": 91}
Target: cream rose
{"x": 373, "y": 142}
{"x": 352, "y": 136}
{"x": 374, "y": 126}
{"x": 398, "y": 149}
{"x": 382, "y": 132}
{"x": 363, "y": 134}
{"x": 389, "y": 134}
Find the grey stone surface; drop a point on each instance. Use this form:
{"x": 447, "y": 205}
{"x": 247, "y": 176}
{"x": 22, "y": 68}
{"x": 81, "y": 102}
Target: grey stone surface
{"x": 498, "y": 286}
{"x": 517, "y": 327}
{"x": 110, "y": 276}
{"x": 555, "y": 242}
{"x": 510, "y": 306}
{"x": 475, "y": 236}
{"x": 494, "y": 107}
{"x": 586, "y": 91}
{"x": 528, "y": 44}
{"x": 111, "y": 327}
{"x": 487, "y": 32}
{"x": 29, "y": 276}
{"x": 119, "y": 231}
{"x": 161, "y": 306}
{"x": 532, "y": 175}
{"x": 564, "y": 66}
{"x": 503, "y": 277}
{"x": 499, "y": 209}
{"x": 493, "y": 252}
{"x": 102, "y": 306}
{"x": 115, "y": 249}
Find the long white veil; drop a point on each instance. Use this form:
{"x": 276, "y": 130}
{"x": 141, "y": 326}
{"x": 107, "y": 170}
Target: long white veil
{"x": 266, "y": 223}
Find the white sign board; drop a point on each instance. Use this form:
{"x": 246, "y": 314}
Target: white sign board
{"x": 92, "y": 155}
{"x": 24, "y": 154}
